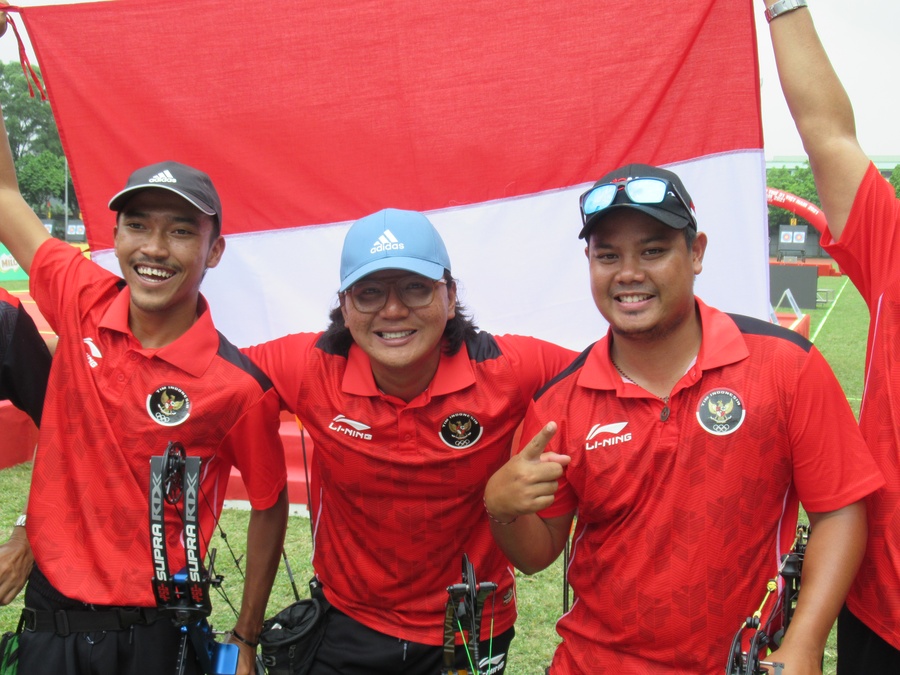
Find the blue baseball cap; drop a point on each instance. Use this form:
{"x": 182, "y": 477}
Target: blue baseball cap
{"x": 392, "y": 239}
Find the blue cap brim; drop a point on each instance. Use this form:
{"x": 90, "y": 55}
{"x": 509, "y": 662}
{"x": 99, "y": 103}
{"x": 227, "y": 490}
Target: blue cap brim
{"x": 426, "y": 268}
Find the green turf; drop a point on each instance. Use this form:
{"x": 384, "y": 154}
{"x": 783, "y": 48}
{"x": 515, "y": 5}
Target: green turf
{"x": 15, "y": 285}
{"x": 841, "y": 338}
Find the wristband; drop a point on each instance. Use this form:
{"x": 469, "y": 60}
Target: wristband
{"x": 20, "y": 521}
{"x": 240, "y": 638}
{"x": 783, "y": 7}
{"x": 499, "y": 522}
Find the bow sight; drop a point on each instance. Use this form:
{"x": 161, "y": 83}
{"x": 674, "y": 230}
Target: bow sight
{"x": 184, "y": 597}
{"x": 465, "y": 608}
{"x": 749, "y": 662}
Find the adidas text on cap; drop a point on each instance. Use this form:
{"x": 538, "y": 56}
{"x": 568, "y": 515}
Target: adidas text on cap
{"x": 676, "y": 211}
{"x": 185, "y": 181}
{"x": 392, "y": 240}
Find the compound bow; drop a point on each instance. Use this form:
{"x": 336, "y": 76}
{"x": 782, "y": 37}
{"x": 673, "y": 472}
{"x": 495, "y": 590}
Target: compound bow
{"x": 749, "y": 662}
{"x": 465, "y": 609}
{"x": 184, "y": 596}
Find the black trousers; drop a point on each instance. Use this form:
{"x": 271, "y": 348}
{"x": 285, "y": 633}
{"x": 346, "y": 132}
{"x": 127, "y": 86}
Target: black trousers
{"x": 138, "y": 650}
{"x": 861, "y": 651}
{"x": 350, "y": 648}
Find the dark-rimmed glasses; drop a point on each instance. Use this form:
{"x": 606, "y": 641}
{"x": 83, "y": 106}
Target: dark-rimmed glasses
{"x": 370, "y": 295}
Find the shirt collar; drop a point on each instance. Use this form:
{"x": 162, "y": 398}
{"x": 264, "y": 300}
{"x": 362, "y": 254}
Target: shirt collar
{"x": 721, "y": 344}
{"x": 192, "y": 352}
{"x": 453, "y": 374}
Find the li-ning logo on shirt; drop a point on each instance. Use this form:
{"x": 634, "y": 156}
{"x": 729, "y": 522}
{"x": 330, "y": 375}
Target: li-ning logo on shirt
{"x": 351, "y": 428}
{"x": 386, "y": 242}
{"x": 92, "y": 352}
{"x": 613, "y": 435}
{"x": 163, "y": 177}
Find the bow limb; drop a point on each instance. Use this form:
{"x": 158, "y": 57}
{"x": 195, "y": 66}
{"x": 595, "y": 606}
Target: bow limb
{"x": 837, "y": 542}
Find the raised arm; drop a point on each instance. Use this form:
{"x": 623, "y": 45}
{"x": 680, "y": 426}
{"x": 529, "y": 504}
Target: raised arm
{"x": 822, "y": 112}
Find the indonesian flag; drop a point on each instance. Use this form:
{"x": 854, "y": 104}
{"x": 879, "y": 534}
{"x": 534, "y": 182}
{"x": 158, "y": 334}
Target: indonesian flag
{"x": 490, "y": 117}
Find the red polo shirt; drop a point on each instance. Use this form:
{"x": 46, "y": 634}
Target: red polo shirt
{"x": 868, "y": 252}
{"x": 399, "y": 486}
{"x": 685, "y": 508}
{"x": 110, "y": 406}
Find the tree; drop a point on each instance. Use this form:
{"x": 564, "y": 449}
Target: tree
{"x": 29, "y": 121}
{"x": 895, "y": 179}
{"x": 798, "y": 181}
{"x": 34, "y": 140}
{"x": 41, "y": 178}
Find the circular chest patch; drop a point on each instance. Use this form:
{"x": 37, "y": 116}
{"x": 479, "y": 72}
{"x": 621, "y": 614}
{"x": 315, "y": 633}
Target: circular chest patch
{"x": 169, "y": 406}
{"x": 720, "y": 412}
{"x": 460, "y": 430}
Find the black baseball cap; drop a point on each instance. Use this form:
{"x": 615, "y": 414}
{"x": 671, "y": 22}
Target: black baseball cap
{"x": 185, "y": 181}
{"x": 675, "y": 210}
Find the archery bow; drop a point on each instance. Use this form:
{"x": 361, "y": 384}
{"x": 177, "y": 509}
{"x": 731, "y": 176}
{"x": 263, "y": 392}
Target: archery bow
{"x": 464, "y": 611}
{"x": 749, "y": 662}
{"x": 184, "y": 596}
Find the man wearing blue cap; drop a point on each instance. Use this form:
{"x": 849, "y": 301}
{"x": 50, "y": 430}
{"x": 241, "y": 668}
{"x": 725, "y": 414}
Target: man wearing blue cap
{"x": 684, "y": 440}
{"x": 411, "y": 409}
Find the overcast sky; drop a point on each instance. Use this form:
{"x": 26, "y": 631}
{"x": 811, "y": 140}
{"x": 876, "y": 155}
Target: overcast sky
{"x": 861, "y": 38}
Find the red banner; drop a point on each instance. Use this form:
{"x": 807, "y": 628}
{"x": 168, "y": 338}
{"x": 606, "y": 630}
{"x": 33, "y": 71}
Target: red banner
{"x": 319, "y": 113}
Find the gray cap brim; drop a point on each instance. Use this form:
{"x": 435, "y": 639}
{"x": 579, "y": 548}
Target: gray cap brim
{"x": 117, "y": 203}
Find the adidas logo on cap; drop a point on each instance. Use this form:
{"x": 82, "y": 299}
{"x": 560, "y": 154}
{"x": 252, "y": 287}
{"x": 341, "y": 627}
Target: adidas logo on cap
{"x": 163, "y": 177}
{"x": 386, "y": 242}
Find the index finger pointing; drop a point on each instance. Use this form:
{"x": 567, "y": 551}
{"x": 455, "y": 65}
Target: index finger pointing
{"x": 535, "y": 447}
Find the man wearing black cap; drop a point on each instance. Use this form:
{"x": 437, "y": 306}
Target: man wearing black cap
{"x": 684, "y": 440}
{"x": 138, "y": 364}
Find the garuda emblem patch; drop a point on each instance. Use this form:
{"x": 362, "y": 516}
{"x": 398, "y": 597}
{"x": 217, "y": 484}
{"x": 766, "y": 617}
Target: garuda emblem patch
{"x": 169, "y": 406}
{"x": 460, "y": 430}
{"x": 721, "y": 412}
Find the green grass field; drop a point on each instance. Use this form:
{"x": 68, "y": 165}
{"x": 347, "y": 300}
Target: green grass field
{"x": 840, "y": 333}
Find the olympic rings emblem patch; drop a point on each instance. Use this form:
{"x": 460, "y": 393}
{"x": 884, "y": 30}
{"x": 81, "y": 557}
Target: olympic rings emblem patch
{"x": 460, "y": 430}
{"x": 168, "y": 406}
{"x": 721, "y": 412}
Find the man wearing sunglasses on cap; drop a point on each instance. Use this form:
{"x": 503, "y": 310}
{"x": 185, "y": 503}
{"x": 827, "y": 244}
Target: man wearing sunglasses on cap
{"x": 863, "y": 236}
{"x": 683, "y": 440}
{"x": 410, "y": 409}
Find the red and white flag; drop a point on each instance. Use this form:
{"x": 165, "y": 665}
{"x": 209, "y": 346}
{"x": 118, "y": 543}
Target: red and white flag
{"x": 491, "y": 117}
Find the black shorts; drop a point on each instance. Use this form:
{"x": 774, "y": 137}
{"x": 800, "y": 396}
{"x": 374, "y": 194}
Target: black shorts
{"x": 137, "y": 650}
{"x": 861, "y": 651}
{"x": 351, "y": 648}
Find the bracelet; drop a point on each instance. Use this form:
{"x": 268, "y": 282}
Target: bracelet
{"x": 783, "y": 7}
{"x": 499, "y": 522}
{"x": 240, "y": 638}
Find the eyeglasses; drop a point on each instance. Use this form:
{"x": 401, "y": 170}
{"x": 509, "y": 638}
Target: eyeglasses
{"x": 637, "y": 190}
{"x": 370, "y": 295}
